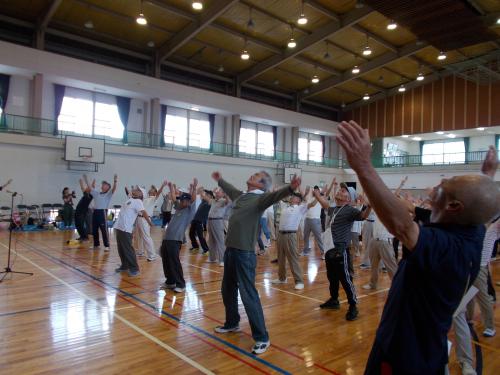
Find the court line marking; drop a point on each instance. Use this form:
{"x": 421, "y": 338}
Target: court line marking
{"x": 486, "y": 346}
{"x": 318, "y": 365}
{"x": 288, "y": 292}
{"x": 163, "y": 312}
{"x": 178, "y": 354}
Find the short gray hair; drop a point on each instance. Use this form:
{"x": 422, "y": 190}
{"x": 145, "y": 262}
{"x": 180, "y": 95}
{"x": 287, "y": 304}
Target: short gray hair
{"x": 267, "y": 181}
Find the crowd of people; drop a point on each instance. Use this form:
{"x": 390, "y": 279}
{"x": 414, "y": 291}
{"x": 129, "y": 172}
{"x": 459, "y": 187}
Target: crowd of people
{"x": 447, "y": 242}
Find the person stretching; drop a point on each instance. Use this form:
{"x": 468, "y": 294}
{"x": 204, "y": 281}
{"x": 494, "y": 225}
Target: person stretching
{"x": 240, "y": 259}
{"x": 102, "y": 199}
{"x": 218, "y": 207}
{"x": 82, "y": 209}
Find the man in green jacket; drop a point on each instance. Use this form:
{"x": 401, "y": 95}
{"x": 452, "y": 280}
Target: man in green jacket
{"x": 239, "y": 259}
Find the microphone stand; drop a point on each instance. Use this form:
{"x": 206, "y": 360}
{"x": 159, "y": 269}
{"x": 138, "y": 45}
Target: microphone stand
{"x": 11, "y": 225}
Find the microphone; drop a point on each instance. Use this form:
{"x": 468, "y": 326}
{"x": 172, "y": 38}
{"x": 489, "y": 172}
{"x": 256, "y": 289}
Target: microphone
{"x": 13, "y": 193}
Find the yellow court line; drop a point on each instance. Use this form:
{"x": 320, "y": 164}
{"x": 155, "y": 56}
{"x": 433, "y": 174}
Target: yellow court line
{"x": 178, "y": 354}
{"x": 293, "y": 294}
{"x": 486, "y": 346}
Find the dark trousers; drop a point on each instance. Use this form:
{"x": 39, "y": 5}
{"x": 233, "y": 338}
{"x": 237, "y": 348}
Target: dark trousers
{"x": 165, "y": 217}
{"x": 67, "y": 214}
{"x": 99, "y": 223}
{"x": 395, "y": 247}
{"x": 126, "y": 250}
{"x": 172, "y": 267}
{"x": 337, "y": 271}
{"x": 239, "y": 274}
{"x": 196, "y": 230}
{"x": 81, "y": 224}
{"x": 491, "y": 288}
{"x": 378, "y": 364}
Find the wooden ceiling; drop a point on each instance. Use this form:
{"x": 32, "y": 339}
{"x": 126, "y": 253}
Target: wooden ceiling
{"x": 329, "y": 45}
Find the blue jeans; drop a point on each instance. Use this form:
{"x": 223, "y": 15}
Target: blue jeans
{"x": 264, "y": 228}
{"x": 239, "y": 273}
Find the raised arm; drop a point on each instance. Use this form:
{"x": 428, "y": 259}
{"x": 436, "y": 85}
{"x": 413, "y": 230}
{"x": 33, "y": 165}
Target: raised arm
{"x": 229, "y": 189}
{"x": 313, "y": 203}
{"x": 192, "y": 189}
{"x": 390, "y": 210}
{"x": 83, "y": 186}
{"x": 6, "y": 184}
{"x": 322, "y": 200}
{"x": 172, "y": 191}
{"x": 490, "y": 163}
{"x": 333, "y": 186}
{"x": 267, "y": 199}
{"x": 158, "y": 193}
{"x": 115, "y": 183}
{"x": 403, "y": 182}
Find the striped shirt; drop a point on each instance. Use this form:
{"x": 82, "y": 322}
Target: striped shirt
{"x": 490, "y": 238}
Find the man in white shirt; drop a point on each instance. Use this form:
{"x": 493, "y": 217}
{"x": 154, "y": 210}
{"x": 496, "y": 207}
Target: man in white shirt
{"x": 291, "y": 215}
{"x": 123, "y": 231}
{"x": 380, "y": 248}
{"x": 312, "y": 223}
{"x": 142, "y": 228}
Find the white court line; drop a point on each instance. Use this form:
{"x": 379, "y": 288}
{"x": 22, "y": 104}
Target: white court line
{"x": 203, "y": 268}
{"x": 293, "y": 294}
{"x": 178, "y": 354}
{"x": 367, "y": 295}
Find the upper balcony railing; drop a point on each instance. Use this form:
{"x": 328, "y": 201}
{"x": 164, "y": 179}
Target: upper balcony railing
{"x": 47, "y": 128}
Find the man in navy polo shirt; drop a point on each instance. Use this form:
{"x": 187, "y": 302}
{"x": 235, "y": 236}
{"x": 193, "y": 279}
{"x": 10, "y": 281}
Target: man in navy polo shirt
{"x": 443, "y": 261}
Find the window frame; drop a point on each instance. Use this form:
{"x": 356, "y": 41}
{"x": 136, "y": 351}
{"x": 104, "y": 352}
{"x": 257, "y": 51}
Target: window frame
{"x": 444, "y": 160}
{"x": 310, "y": 137}
{"x": 190, "y": 115}
{"x": 258, "y": 128}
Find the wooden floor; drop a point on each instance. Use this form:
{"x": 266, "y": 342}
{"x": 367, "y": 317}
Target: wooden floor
{"x": 76, "y": 316}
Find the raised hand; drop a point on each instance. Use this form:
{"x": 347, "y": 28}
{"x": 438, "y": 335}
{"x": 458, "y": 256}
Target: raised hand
{"x": 490, "y": 163}
{"x": 295, "y": 182}
{"x": 115, "y": 177}
{"x": 308, "y": 189}
{"x": 356, "y": 144}
{"x": 216, "y": 175}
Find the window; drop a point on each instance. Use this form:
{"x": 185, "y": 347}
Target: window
{"x": 310, "y": 147}
{"x": 452, "y": 152}
{"x": 256, "y": 139}
{"x": 87, "y": 113}
{"x": 187, "y": 128}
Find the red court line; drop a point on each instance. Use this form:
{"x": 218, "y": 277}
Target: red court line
{"x": 318, "y": 365}
{"x": 158, "y": 317}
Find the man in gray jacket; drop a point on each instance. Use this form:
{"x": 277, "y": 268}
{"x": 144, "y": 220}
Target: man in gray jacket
{"x": 240, "y": 259}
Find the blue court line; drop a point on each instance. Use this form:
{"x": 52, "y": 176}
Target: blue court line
{"x": 163, "y": 312}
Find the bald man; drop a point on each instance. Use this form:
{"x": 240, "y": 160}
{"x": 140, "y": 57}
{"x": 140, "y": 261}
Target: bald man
{"x": 443, "y": 261}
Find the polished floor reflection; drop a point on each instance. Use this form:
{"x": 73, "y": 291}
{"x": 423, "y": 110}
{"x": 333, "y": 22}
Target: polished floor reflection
{"x": 76, "y": 316}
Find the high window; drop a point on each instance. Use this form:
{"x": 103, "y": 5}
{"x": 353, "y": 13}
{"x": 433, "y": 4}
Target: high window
{"x": 310, "y": 147}
{"x": 443, "y": 152}
{"x": 187, "y": 128}
{"x": 256, "y": 139}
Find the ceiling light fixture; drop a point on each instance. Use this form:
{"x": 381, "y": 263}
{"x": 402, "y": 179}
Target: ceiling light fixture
{"x": 245, "y": 55}
{"x": 250, "y": 23}
{"x": 440, "y": 132}
{"x": 89, "y": 24}
{"x": 327, "y": 54}
{"x": 451, "y": 135}
{"x": 141, "y": 20}
{"x": 392, "y": 25}
{"x": 405, "y": 136}
{"x": 498, "y": 21}
{"x": 355, "y": 70}
{"x": 291, "y": 43}
{"x": 359, "y": 4}
{"x": 480, "y": 129}
{"x": 197, "y": 5}
{"x": 367, "y": 51}
{"x": 151, "y": 44}
{"x": 302, "y": 20}
{"x": 220, "y": 68}
{"x": 441, "y": 56}
{"x": 417, "y": 138}
{"x": 366, "y": 97}
{"x": 402, "y": 88}
{"x": 420, "y": 77}
{"x": 315, "y": 79}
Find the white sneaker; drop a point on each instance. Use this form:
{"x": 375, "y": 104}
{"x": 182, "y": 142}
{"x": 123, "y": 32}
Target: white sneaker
{"x": 489, "y": 332}
{"x": 368, "y": 287}
{"x": 278, "y": 281}
{"x": 299, "y": 286}
{"x": 467, "y": 369}
{"x": 267, "y": 243}
{"x": 106, "y": 249}
{"x": 260, "y": 347}
{"x": 323, "y": 256}
{"x": 224, "y": 329}
{"x": 221, "y": 264}
{"x": 179, "y": 290}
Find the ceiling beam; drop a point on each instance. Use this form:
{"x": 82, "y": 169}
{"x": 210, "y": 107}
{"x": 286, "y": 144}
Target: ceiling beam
{"x": 304, "y": 43}
{"x": 186, "y": 34}
{"x": 376, "y": 38}
{"x": 367, "y": 67}
{"x": 320, "y": 8}
{"x": 44, "y": 19}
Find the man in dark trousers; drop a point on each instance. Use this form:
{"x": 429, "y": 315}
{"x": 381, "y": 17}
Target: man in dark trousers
{"x": 340, "y": 218}
{"x": 196, "y": 228}
{"x": 82, "y": 209}
{"x": 443, "y": 261}
{"x": 240, "y": 259}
